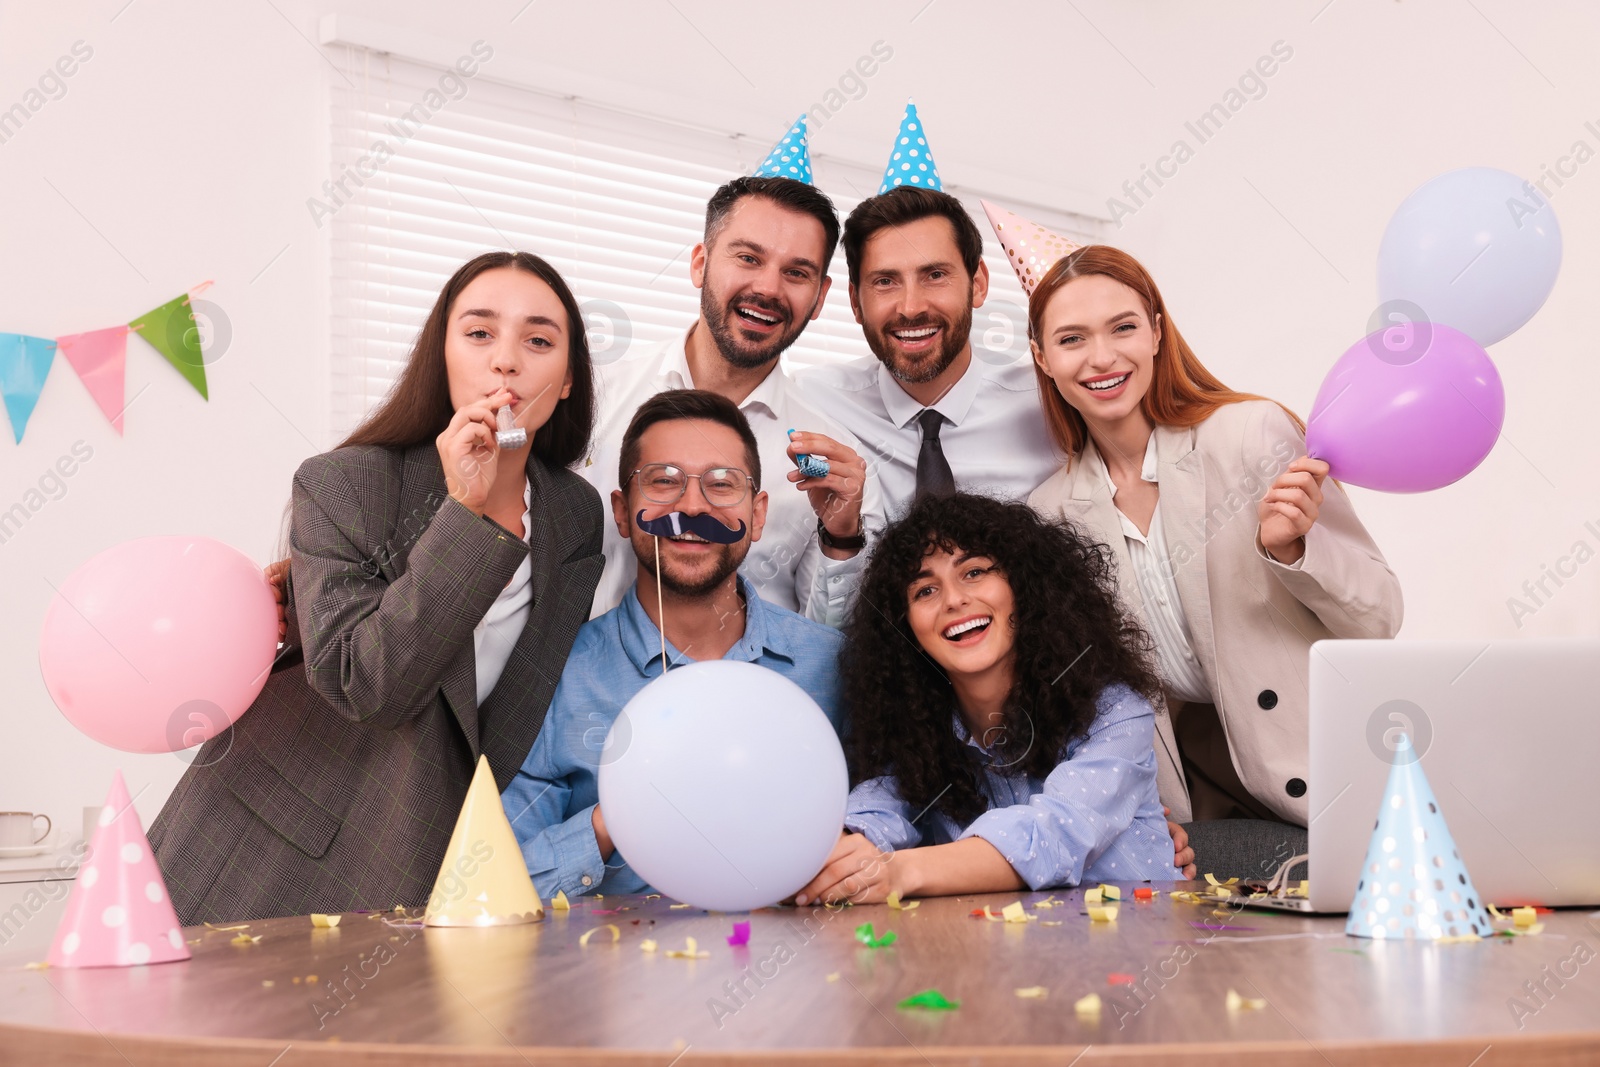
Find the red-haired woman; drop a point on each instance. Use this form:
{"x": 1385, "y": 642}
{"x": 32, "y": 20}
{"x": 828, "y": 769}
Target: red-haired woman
{"x": 1233, "y": 547}
{"x": 437, "y": 581}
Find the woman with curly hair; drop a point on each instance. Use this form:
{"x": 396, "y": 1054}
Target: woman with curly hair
{"x": 1000, "y": 714}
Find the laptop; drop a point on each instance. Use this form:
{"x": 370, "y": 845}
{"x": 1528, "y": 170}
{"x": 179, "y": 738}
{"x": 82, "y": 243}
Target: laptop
{"x": 1507, "y": 733}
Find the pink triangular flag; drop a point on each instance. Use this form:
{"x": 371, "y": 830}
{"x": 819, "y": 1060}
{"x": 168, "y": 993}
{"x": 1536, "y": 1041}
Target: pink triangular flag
{"x": 1031, "y": 248}
{"x": 100, "y": 357}
{"x": 119, "y": 914}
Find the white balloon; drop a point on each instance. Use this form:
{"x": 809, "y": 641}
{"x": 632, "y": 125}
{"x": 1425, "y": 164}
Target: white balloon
{"x": 723, "y": 785}
{"x": 1477, "y": 249}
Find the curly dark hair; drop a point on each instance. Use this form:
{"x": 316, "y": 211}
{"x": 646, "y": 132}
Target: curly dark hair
{"x": 1072, "y": 640}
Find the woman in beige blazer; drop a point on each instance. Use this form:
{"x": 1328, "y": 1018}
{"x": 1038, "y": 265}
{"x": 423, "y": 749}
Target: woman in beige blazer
{"x": 1233, "y": 548}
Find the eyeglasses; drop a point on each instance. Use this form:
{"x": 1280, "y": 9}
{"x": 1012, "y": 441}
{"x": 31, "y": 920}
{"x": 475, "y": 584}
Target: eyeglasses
{"x": 663, "y": 483}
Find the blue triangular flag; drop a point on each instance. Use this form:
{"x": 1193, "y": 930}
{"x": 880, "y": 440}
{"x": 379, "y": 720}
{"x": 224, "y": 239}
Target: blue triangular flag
{"x": 1413, "y": 882}
{"x": 24, "y": 364}
{"x": 790, "y": 157}
{"x": 911, "y": 162}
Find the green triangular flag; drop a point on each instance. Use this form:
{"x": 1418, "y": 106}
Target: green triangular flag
{"x": 170, "y": 329}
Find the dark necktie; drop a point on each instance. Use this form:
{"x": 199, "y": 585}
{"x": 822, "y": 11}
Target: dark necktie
{"x": 933, "y": 470}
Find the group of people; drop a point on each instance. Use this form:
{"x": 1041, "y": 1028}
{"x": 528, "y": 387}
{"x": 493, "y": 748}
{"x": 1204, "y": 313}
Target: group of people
{"x": 1059, "y": 613}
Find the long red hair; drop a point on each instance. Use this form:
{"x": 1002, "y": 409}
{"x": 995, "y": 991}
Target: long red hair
{"x": 1182, "y": 392}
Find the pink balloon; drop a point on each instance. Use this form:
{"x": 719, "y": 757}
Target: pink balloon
{"x": 1411, "y": 408}
{"x": 158, "y": 644}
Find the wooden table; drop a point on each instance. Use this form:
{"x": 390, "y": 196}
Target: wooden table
{"x": 532, "y": 994}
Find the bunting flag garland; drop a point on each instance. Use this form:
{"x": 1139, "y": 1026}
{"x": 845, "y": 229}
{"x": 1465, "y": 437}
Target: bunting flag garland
{"x": 100, "y": 359}
{"x": 24, "y": 363}
{"x": 170, "y": 330}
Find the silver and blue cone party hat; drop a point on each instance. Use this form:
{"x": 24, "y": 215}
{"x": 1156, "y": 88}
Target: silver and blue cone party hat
{"x": 1413, "y": 881}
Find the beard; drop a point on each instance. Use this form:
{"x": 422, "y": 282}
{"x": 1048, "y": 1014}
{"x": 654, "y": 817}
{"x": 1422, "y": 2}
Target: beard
{"x": 725, "y": 560}
{"x": 734, "y": 345}
{"x": 929, "y": 366}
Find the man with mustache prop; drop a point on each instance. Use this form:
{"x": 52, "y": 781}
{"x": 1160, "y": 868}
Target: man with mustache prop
{"x": 690, "y": 506}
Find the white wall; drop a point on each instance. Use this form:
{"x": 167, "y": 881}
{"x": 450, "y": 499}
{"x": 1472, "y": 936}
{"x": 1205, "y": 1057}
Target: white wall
{"x": 192, "y": 138}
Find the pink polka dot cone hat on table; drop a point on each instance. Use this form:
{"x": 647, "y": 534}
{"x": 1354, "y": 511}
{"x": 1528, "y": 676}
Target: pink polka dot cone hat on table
{"x": 119, "y": 914}
{"x": 1031, "y": 248}
{"x": 790, "y": 157}
{"x": 911, "y": 161}
{"x": 1413, "y": 881}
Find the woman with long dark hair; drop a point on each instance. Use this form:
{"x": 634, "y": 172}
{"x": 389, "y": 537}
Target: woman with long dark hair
{"x": 1233, "y": 548}
{"x": 999, "y": 704}
{"x": 437, "y": 579}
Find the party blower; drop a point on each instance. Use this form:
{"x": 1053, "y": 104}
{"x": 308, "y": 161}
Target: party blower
{"x": 509, "y": 434}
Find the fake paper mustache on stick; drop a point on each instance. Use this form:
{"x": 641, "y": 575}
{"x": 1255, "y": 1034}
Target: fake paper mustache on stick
{"x": 674, "y": 523}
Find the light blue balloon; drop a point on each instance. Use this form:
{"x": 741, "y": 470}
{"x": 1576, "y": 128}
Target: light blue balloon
{"x": 1477, "y": 249}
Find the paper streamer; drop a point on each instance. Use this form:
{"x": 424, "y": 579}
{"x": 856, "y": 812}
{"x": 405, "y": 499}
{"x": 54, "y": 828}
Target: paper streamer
{"x": 100, "y": 357}
{"x": 24, "y": 364}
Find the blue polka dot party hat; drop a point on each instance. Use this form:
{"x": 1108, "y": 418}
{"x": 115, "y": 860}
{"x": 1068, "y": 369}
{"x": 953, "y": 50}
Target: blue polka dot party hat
{"x": 790, "y": 157}
{"x": 911, "y": 162}
{"x": 1413, "y": 882}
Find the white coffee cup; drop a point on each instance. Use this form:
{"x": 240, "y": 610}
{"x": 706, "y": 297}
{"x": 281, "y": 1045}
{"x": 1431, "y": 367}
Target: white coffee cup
{"x": 19, "y": 828}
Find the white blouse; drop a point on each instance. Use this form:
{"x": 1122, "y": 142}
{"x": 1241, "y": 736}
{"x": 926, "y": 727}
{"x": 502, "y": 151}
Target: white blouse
{"x": 496, "y": 635}
{"x": 1178, "y": 665}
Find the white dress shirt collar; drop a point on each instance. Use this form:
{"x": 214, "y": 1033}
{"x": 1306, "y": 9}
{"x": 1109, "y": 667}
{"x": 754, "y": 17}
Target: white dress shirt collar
{"x": 954, "y": 405}
{"x": 675, "y": 374}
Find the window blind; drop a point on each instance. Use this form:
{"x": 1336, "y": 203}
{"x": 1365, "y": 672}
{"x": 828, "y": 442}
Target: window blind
{"x": 431, "y": 168}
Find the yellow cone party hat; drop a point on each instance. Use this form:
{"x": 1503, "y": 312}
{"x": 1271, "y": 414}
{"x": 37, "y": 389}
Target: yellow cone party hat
{"x": 1031, "y": 248}
{"x": 483, "y": 881}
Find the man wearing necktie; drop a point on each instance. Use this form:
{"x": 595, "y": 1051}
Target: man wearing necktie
{"x": 933, "y": 413}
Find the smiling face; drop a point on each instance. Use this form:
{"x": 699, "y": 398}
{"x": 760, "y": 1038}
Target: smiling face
{"x": 507, "y": 329}
{"x": 691, "y": 566}
{"x": 960, "y": 608}
{"x": 915, "y": 299}
{"x": 761, "y": 280}
{"x": 1098, "y": 345}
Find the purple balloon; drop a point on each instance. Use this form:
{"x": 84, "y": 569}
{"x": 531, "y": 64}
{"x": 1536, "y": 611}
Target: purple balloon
{"x": 1410, "y": 408}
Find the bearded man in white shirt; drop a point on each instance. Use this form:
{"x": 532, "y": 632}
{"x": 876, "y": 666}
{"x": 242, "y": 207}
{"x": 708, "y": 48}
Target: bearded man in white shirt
{"x": 762, "y": 272}
{"x": 932, "y": 412}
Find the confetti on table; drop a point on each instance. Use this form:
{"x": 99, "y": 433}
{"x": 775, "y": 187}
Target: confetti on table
{"x": 1524, "y": 917}
{"x": 690, "y": 951}
{"x": 1048, "y": 922}
{"x": 652, "y": 896}
{"x": 1456, "y": 939}
{"x": 560, "y": 902}
{"x": 1527, "y": 931}
{"x": 311, "y": 979}
{"x": 1087, "y": 1006}
{"x": 239, "y": 926}
{"x": 1496, "y": 912}
{"x": 1094, "y": 896}
{"x": 36, "y": 965}
{"x": 1033, "y": 992}
{"x": 896, "y": 904}
{"x": 675, "y": 907}
{"x": 1049, "y": 902}
{"x": 1110, "y": 892}
{"x": 1119, "y": 979}
{"x": 1103, "y": 914}
{"x": 931, "y": 999}
{"x": 266, "y": 983}
{"x": 245, "y": 939}
{"x": 1187, "y": 896}
{"x": 740, "y": 935}
{"x": 1237, "y": 1003}
{"x": 647, "y": 945}
{"x": 834, "y": 977}
{"x": 616, "y": 934}
{"x": 865, "y": 935}
{"x": 1211, "y": 878}
{"x": 325, "y": 922}
{"x": 1016, "y": 913}
{"x": 1144, "y": 894}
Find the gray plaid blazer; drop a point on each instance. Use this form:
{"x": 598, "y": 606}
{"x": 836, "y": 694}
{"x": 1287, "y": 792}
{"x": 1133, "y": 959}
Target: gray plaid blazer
{"x": 339, "y": 788}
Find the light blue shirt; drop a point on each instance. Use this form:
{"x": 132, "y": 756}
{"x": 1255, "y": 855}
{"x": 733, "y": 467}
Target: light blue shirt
{"x": 1096, "y": 817}
{"x": 551, "y": 801}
